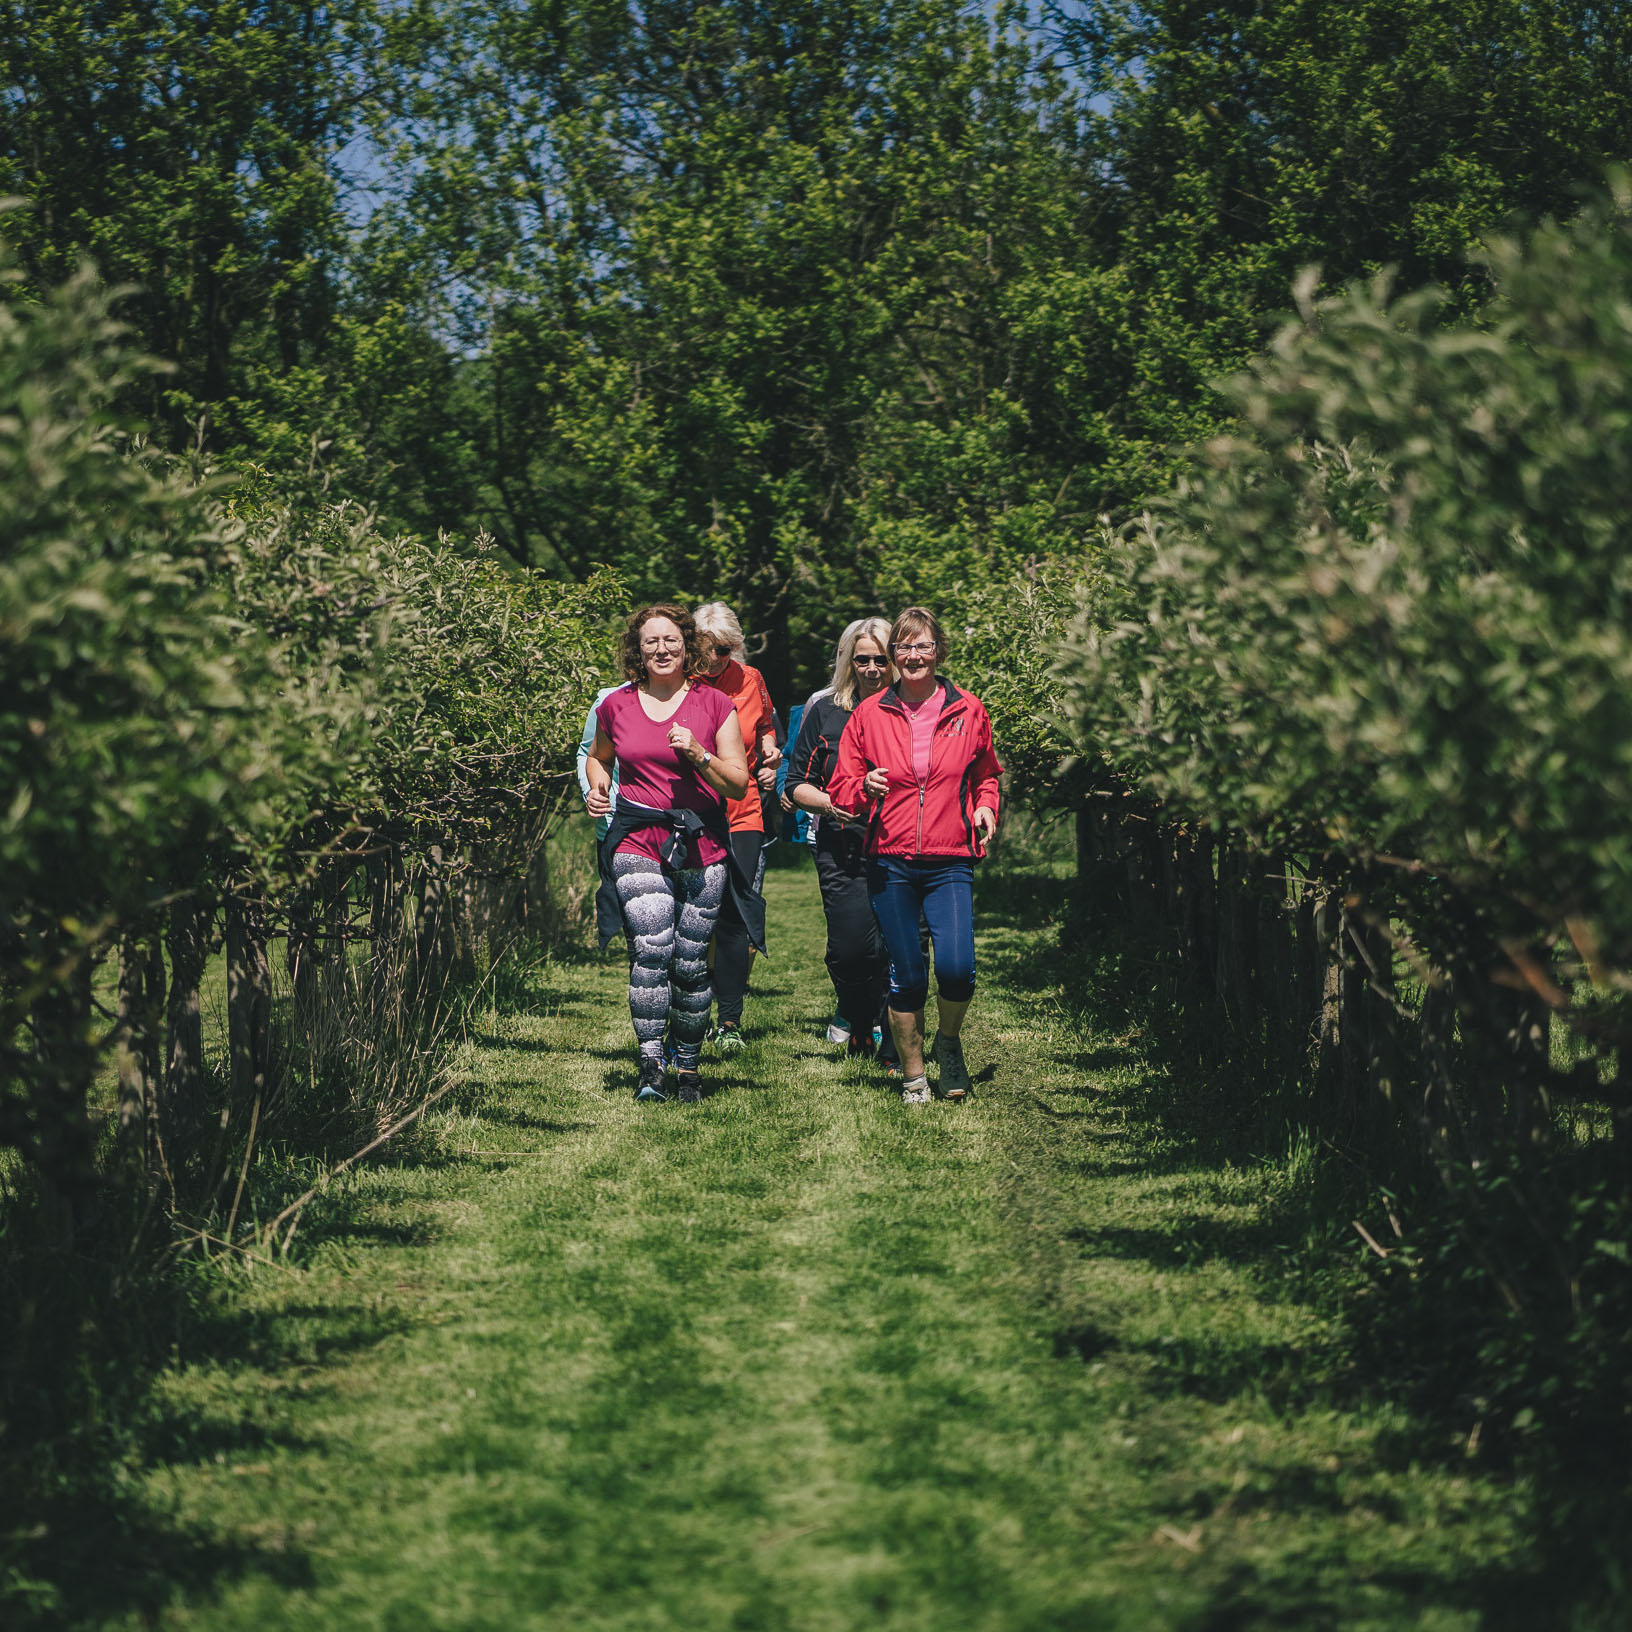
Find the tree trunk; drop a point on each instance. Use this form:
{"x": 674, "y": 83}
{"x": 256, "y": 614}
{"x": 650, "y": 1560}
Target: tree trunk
{"x": 1236, "y": 936}
{"x": 63, "y": 1064}
{"x": 139, "y": 1048}
{"x": 1436, "y": 1050}
{"x": 533, "y": 905}
{"x": 385, "y": 928}
{"x": 432, "y": 926}
{"x": 1139, "y": 857}
{"x": 1306, "y": 1022}
{"x": 249, "y": 999}
{"x": 181, "y": 1104}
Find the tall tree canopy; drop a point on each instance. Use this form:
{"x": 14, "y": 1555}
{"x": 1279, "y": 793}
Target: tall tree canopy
{"x": 813, "y": 306}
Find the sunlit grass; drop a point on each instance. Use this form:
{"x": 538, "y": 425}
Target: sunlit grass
{"x": 797, "y": 1358}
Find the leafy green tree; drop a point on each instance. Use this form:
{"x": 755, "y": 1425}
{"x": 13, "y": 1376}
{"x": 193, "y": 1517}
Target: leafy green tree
{"x": 1394, "y": 617}
{"x": 1237, "y": 143}
{"x": 742, "y": 283}
{"x": 196, "y": 154}
{"x": 135, "y": 731}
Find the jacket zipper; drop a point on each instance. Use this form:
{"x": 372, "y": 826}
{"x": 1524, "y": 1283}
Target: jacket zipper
{"x": 923, "y": 787}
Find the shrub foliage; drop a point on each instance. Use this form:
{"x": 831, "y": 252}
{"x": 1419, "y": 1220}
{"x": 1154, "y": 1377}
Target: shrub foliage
{"x": 225, "y": 718}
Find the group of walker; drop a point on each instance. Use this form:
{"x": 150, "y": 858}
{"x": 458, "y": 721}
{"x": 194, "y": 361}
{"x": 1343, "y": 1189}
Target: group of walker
{"x": 895, "y": 767}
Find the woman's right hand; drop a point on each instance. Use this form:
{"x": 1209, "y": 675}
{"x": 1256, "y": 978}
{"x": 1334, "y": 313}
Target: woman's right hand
{"x": 876, "y": 782}
{"x": 598, "y": 802}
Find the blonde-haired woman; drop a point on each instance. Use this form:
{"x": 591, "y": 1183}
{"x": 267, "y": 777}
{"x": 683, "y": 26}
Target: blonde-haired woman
{"x": 725, "y": 670}
{"x": 857, "y": 958}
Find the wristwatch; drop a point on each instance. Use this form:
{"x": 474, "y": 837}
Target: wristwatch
{"x": 707, "y": 760}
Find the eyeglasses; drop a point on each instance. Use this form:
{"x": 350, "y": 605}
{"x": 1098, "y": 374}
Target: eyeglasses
{"x": 663, "y": 643}
{"x": 870, "y": 662}
{"x": 918, "y": 648}
{"x": 722, "y": 651}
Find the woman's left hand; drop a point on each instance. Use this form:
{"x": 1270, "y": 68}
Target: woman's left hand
{"x": 685, "y": 744}
{"x": 767, "y": 778}
{"x": 985, "y": 829}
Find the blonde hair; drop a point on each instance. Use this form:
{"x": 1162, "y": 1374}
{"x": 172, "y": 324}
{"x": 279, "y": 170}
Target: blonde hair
{"x": 844, "y": 676}
{"x": 716, "y": 622}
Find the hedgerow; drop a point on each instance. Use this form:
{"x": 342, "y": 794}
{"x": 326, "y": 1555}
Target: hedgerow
{"x": 1363, "y": 684}
{"x": 230, "y": 719}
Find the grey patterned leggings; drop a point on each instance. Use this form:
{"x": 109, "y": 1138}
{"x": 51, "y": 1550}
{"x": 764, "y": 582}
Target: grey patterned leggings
{"x": 670, "y": 917}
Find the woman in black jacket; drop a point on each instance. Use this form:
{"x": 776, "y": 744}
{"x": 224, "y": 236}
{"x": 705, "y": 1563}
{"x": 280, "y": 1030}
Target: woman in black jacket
{"x": 856, "y": 956}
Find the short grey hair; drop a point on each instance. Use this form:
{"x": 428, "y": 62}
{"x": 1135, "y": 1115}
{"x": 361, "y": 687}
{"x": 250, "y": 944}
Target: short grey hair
{"x": 717, "y": 623}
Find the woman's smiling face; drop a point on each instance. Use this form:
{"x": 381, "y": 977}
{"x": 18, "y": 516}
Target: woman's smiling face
{"x": 663, "y": 649}
{"x": 871, "y": 666}
{"x": 915, "y": 655}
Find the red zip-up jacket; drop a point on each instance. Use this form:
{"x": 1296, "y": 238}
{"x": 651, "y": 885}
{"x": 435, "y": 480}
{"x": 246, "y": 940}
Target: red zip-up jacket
{"x": 936, "y": 818}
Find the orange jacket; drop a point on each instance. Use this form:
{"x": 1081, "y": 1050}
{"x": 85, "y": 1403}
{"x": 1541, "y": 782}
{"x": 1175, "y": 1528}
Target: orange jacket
{"x": 745, "y": 686}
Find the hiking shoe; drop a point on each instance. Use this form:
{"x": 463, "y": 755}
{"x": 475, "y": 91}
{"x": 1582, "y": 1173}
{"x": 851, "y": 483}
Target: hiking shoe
{"x": 651, "y": 1079}
{"x": 690, "y": 1087}
{"x": 728, "y": 1040}
{"x": 856, "y": 1049}
{"x": 947, "y": 1052}
{"x": 838, "y": 1029}
{"x": 915, "y": 1091}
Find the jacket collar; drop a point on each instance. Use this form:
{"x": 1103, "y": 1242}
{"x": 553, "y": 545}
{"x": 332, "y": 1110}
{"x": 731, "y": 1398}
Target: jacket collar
{"x": 729, "y": 679}
{"x": 891, "y": 696}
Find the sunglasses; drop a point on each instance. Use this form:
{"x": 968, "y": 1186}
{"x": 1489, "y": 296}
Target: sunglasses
{"x": 870, "y": 662}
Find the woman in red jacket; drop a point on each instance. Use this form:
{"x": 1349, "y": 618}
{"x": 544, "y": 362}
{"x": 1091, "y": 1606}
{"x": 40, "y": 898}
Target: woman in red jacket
{"x": 921, "y": 750}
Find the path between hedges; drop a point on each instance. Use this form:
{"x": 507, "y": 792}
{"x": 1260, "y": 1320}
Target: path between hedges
{"x": 798, "y": 1358}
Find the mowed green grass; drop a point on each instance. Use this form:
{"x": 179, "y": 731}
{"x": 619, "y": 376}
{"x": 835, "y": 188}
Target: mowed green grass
{"x": 800, "y": 1357}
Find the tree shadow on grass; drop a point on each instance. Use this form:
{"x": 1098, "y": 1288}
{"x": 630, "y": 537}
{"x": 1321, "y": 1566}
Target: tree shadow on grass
{"x": 1201, "y": 1105}
{"x": 83, "y": 1338}
{"x": 88, "y": 1554}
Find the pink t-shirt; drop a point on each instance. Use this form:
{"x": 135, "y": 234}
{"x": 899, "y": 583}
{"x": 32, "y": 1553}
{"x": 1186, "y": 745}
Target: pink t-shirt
{"x": 923, "y": 717}
{"x": 651, "y": 773}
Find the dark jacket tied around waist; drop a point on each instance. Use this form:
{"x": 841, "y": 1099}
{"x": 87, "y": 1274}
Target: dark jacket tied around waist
{"x": 685, "y": 826}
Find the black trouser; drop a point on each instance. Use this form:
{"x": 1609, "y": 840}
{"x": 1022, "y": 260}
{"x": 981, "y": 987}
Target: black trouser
{"x": 731, "y": 946}
{"x": 856, "y": 956}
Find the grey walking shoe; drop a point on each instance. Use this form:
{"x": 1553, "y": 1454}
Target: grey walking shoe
{"x": 947, "y": 1052}
{"x": 650, "y": 1088}
{"x": 690, "y": 1086}
{"x": 915, "y": 1091}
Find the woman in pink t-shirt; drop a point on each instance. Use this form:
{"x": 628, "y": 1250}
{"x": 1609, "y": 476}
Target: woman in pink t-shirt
{"x": 679, "y": 754}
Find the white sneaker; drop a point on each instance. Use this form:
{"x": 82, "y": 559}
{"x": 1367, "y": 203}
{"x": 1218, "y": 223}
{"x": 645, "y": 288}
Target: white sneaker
{"x": 947, "y": 1052}
{"x": 915, "y": 1091}
{"x": 838, "y": 1029}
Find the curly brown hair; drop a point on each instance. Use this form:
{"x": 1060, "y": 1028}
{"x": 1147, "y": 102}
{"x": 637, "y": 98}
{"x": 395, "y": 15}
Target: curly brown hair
{"x": 634, "y": 665}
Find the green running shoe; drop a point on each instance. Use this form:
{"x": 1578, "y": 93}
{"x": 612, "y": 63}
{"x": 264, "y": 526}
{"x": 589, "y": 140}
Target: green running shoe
{"x": 728, "y": 1040}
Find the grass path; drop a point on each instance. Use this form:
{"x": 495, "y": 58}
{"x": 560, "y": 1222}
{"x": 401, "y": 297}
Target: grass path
{"x": 800, "y": 1357}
